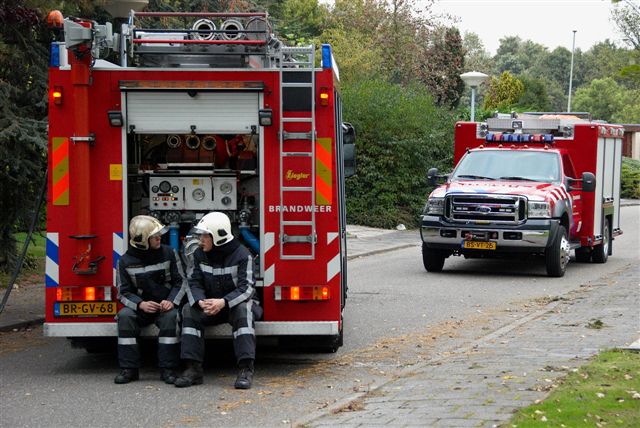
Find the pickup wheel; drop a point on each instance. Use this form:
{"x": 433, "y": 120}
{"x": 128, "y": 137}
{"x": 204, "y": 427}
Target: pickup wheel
{"x": 557, "y": 255}
{"x": 601, "y": 252}
{"x": 433, "y": 260}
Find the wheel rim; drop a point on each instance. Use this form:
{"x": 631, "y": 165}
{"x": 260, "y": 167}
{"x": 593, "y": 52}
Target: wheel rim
{"x": 564, "y": 251}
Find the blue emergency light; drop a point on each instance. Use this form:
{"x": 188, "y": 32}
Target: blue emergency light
{"x": 54, "y": 60}
{"x": 519, "y": 138}
{"x": 326, "y": 56}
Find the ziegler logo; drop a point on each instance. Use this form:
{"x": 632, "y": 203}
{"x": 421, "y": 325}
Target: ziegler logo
{"x": 296, "y": 175}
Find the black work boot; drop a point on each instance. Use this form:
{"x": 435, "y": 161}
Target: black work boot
{"x": 245, "y": 375}
{"x": 126, "y": 376}
{"x": 168, "y": 376}
{"x": 192, "y": 375}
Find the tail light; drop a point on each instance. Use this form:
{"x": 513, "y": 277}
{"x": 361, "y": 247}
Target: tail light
{"x": 302, "y": 292}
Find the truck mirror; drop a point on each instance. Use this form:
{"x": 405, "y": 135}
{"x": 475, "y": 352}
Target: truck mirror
{"x": 432, "y": 176}
{"x": 349, "y": 149}
{"x": 588, "y": 182}
{"x": 348, "y": 133}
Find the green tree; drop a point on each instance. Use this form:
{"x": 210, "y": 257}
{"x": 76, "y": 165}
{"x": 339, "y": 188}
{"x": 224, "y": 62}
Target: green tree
{"x": 476, "y": 57}
{"x": 440, "y": 66}
{"x": 603, "y": 98}
{"x": 503, "y": 92}
{"x": 302, "y": 19}
{"x": 23, "y": 119}
{"x": 534, "y": 96}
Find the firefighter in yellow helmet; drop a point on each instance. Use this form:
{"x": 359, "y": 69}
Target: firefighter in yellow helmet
{"x": 221, "y": 289}
{"x": 151, "y": 285}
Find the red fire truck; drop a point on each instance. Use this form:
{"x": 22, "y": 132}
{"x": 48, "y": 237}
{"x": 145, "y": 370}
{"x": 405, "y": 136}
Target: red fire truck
{"x": 212, "y": 114}
{"x": 536, "y": 184}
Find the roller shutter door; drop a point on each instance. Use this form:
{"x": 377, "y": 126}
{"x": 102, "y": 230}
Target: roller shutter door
{"x": 176, "y": 112}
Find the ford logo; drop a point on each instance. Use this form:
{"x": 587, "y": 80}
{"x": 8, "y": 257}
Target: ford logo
{"x": 483, "y": 209}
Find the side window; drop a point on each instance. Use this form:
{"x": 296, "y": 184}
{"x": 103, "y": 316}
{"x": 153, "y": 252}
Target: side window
{"x": 567, "y": 166}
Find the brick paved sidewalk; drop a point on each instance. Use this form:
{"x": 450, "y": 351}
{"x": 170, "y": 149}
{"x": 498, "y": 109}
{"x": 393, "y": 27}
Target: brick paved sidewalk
{"x": 482, "y": 384}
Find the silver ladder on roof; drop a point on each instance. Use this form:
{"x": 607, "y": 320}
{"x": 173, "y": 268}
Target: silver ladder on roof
{"x": 288, "y": 59}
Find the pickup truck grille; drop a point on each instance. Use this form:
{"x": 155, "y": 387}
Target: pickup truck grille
{"x": 493, "y": 208}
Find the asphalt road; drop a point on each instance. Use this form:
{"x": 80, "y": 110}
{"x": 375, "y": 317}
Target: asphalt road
{"x": 397, "y": 314}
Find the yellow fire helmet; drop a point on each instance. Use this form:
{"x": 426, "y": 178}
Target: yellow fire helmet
{"x": 143, "y": 227}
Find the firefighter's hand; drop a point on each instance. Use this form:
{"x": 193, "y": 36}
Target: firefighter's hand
{"x": 216, "y": 306}
{"x": 149, "y": 307}
{"x": 205, "y": 304}
{"x": 166, "y": 306}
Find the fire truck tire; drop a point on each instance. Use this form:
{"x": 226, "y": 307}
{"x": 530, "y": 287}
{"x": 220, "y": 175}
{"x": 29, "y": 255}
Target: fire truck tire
{"x": 583, "y": 255}
{"x": 601, "y": 252}
{"x": 557, "y": 255}
{"x": 433, "y": 260}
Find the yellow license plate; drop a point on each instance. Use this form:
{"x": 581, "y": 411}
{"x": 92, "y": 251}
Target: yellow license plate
{"x": 479, "y": 245}
{"x": 79, "y": 309}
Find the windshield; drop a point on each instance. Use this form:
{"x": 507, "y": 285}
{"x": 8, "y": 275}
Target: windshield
{"x": 526, "y": 165}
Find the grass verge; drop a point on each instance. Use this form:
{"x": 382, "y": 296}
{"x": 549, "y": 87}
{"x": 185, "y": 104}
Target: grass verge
{"x": 603, "y": 393}
{"x": 33, "y": 269}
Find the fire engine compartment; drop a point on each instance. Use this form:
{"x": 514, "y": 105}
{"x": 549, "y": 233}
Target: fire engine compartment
{"x": 178, "y": 178}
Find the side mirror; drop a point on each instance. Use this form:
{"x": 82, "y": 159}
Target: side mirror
{"x": 349, "y": 149}
{"x": 588, "y": 182}
{"x": 432, "y": 176}
{"x": 348, "y": 133}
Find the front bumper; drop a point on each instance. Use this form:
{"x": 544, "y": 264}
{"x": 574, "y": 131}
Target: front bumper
{"x": 531, "y": 236}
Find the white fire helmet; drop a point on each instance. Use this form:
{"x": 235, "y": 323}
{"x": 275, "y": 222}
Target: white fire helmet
{"x": 141, "y": 228}
{"x": 218, "y": 226}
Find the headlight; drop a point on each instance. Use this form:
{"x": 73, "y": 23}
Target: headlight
{"x": 435, "y": 206}
{"x": 539, "y": 210}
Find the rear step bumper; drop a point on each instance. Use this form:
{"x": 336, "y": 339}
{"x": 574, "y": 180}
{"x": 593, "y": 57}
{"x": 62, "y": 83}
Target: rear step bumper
{"x": 263, "y": 328}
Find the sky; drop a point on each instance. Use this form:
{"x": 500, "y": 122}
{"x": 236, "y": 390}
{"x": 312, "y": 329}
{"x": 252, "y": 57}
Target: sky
{"x": 548, "y": 22}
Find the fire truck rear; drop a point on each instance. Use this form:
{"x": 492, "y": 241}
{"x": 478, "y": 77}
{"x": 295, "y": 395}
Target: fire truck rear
{"x": 534, "y": 185}
{"x": 212, "y": 114}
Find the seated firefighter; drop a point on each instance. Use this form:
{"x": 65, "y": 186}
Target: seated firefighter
{"x": 221, "y": 289}
{"x": 150, "y": 286}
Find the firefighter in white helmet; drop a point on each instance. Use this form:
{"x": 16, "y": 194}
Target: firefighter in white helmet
{"x": 221, "y": 289}
{"x": 151, "y": 285}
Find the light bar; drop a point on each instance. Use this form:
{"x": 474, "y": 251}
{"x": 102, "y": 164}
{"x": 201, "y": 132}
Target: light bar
{"x": 519, "y": 138}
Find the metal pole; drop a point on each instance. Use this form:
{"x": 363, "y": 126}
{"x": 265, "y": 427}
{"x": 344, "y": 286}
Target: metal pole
{"x": 573, "y": 49}
{"x": 473, "y": 103}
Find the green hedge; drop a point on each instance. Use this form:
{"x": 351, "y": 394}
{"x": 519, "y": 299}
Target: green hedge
{"x": 400, "y": 135}
{"x": 630, "y": 187}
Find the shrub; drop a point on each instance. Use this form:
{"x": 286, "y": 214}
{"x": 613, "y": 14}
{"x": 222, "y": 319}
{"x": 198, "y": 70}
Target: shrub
{"x": 400, "y": 135}
{"x": 630, "y": 185}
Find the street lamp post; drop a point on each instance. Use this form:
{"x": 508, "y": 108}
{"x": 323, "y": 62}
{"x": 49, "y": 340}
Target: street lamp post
{"x": 473, "y": 79}
{"x": 573, "y": 49}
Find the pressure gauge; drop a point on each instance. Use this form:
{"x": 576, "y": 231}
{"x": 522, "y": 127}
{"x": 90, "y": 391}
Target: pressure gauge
{"x": 175, "y": 189}
{"x": 198, "y": 194}
{"x": 155, "y": 189}
{"x": 226, "y": 188}
{"x": 165, "y": 187}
